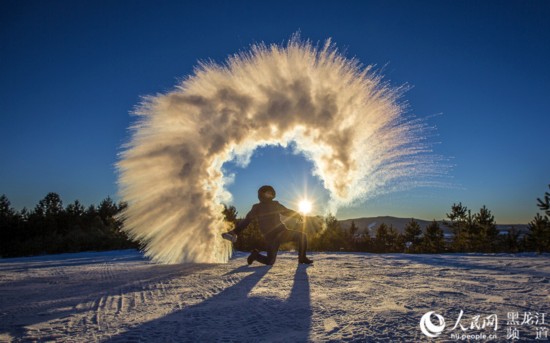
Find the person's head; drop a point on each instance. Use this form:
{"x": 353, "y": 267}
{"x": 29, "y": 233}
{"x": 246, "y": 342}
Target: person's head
{"x": 266, "y": 193}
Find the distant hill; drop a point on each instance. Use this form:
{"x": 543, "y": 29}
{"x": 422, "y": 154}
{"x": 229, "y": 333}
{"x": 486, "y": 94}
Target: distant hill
{"x": 372, "y": 223}
{"x": 314, "y": 224}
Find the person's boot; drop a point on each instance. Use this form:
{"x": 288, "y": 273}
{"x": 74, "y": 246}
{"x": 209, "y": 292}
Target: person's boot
{"x": 230, "y": 236}
{"x": 304, "y": 260}
{"x": 252, "y": 257}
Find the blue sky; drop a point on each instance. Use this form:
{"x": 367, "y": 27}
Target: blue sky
{"x": 72, "y": 71}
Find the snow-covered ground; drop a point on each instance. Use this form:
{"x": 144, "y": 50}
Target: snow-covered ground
{"x": 121, "y": 297}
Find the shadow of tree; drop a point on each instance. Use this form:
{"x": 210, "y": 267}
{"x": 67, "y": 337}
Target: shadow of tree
{"x": 234, "y": 316}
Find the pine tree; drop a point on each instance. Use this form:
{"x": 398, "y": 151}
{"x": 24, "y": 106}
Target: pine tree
{"x": 387, "y": 239}
{"x": 353, "y": 228}
{"x": 51, "y": 205}
{"x": 486, "y": 233}
{"x": 333, "y": 238}
{"x": 9, "y": 227}
{"x": 107, "y": 211}
{"x": 5, "y": 207}
{"x": 545, "y": 205}
{"x": 510, "y": 242}
{"x": 75, "y": 237}
{"x": 459, "y": 218}
{"x": 76, "y": 209}
{"x": 354, "y": 244}
{"x": 458, "y": 213}
{"x": 230, "y": 214}
{"x": 412, "y": 238}
{"x": 433, "y": 241}
{"x": 364, "y": 242}
{"x": 539, "y": 234}
{"x": 395, "y": 240}
{"x": 46, "y": 226}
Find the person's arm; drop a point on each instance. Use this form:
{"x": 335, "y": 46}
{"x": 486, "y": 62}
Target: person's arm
{"x": 288, "y": 212}
{"x": 244, "y": 223}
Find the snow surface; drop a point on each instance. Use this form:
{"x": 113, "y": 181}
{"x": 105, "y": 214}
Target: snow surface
{"x": 120, "y": 296}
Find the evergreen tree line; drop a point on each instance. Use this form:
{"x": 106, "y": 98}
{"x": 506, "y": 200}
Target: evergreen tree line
{"x": 470, "y": 233}
{"x": 52, "y": 228}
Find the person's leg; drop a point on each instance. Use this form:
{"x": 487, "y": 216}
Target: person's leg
{"x": 300, "y": 239}
{"x": 272, "y": 249}
{"x": 253, "y": 256}
{"x": 297, "y": 237}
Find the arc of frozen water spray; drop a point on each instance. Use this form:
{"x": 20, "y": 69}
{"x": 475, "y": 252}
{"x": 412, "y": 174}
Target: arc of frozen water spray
{"x": 340, "y": 115}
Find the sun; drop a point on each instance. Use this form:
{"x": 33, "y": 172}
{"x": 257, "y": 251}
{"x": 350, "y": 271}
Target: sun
{"x": 304, "y": 206}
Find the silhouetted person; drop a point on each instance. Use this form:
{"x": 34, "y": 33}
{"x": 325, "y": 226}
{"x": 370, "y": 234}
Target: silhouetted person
{"x": 268, "y": 213}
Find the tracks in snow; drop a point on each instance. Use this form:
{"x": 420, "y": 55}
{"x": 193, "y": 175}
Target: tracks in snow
{"x": 120, "y": 297}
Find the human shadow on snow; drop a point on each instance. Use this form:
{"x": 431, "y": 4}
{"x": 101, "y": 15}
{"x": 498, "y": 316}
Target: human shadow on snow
{"x": 233, "y": 315}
